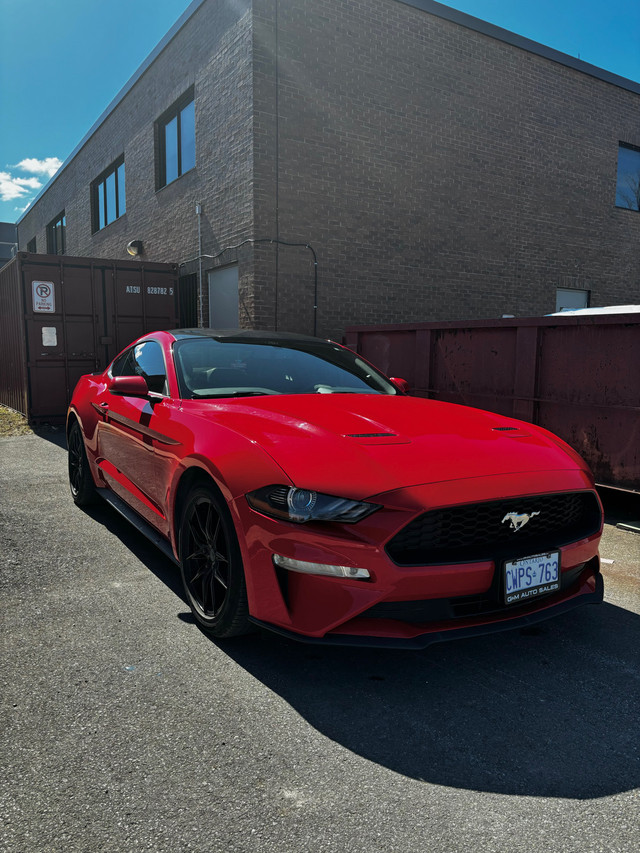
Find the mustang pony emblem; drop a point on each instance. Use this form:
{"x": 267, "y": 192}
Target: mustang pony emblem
{"x": 518, "y": 520}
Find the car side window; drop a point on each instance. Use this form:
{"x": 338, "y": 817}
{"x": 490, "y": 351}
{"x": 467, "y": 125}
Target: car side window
{"x": 148, "y": 361}
{"x": 123, "y": 365}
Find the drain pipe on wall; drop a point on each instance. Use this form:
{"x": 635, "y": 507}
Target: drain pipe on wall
{"x": 200, "y": 293}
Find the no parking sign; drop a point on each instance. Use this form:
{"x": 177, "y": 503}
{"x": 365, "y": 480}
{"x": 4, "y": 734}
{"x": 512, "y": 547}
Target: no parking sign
{"x": 44, "y": 297}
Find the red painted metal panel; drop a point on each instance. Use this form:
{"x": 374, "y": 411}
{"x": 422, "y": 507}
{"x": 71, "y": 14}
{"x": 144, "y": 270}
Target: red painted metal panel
{"x": 473, "y": 369}
{"x": 64, "y": 316}
{"x": 13, "y": 358}
{"x": 576, "y": 376}
{"x": 396, "y": 350}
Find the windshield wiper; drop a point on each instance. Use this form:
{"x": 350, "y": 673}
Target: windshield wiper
{"x": 196, "y": 396}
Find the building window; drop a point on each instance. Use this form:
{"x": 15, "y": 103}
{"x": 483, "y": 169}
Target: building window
{"x": 108, "y": 200}
{"x": 628, "y": 186}
{"x": 176, "y": 138}
{"x": 31, "y": 245}
{"x": 56, "y": 240}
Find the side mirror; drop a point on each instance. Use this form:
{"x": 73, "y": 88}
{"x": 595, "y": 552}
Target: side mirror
{"x": 129, "y": 386}
{"x": 402, "y": 384}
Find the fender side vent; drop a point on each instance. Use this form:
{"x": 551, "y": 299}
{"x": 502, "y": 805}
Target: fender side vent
{"x": 371, "y": 435}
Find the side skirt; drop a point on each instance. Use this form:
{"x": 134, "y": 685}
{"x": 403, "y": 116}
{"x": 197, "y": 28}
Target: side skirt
{"x": 139, "y": 523}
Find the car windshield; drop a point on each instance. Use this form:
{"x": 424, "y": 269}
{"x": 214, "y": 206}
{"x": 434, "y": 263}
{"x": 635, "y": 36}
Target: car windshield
{"x": 209, "y": 368}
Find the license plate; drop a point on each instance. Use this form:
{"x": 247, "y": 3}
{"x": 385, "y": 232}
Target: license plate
{"x": 530, "y": 577}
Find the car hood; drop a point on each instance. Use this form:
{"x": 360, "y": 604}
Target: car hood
{"x": 361, "y": 445}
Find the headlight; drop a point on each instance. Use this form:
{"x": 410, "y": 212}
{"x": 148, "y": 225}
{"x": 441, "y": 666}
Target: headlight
{"x": 300, "y": 505}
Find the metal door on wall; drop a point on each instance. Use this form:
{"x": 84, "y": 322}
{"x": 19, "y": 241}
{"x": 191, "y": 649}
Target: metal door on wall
{"x": 569, "y": 299}
{"x": 223, "y": 298}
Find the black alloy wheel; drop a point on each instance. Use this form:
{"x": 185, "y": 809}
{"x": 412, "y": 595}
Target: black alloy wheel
{"x": 83, "y": 490}
{"x": 211, "y": 565}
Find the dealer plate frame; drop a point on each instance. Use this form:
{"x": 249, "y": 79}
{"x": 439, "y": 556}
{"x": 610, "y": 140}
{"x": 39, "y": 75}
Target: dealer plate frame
{"x": 546, "y": 587}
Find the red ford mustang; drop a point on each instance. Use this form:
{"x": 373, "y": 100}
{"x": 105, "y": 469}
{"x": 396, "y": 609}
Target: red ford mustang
{"x": 301, "y": 490}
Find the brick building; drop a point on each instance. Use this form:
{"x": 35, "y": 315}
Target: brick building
{"x": 439, "y": 167}
{"x": 8, "y": 242}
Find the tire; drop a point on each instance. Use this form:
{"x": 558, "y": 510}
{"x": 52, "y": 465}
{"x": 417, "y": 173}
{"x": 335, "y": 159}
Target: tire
{"x": 83, "y": 489}
{"x": 211, "y": 565}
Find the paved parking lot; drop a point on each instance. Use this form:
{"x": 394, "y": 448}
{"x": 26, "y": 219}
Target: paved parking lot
{"x": 125, "y": 728}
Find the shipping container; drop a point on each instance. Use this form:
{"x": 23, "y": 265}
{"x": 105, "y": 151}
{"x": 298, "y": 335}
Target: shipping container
{"x": 61, "y": 317}
{"x": 574, "y": 375}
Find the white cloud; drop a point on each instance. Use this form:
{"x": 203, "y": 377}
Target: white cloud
{"x": 48, "y": 167}
{"x": 12, "y": 187}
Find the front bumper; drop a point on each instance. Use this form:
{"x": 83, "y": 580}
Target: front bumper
{"x": 591, "y": 592}
{"x": 352, "y": 612}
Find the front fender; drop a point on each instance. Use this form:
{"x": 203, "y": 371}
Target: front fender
{"x": 234, "y": 463}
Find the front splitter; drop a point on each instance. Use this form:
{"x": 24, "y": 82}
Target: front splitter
{"x": 428, "y": 639}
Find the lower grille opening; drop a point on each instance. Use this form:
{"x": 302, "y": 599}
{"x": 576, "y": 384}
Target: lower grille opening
{"x": 464, "y": 607}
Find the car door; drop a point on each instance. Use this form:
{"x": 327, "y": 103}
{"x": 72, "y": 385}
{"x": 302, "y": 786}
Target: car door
{"x": 135, "y": 446}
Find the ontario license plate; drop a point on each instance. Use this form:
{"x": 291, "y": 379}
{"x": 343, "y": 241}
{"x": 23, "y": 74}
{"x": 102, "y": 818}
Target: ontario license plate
{"x": 530, "y": 577}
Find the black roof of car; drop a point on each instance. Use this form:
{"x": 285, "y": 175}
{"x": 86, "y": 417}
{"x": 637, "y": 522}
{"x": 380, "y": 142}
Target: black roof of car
{"x": 247, "y": 335}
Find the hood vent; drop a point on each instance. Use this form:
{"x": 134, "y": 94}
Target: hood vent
{"x": 504, "y": 429}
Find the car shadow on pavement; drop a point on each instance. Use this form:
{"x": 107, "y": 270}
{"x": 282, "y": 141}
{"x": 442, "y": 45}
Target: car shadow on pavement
{"x": 550, "y": 711}
{"x": 620, "y": 506}
{"x": 161, "y": 566}
{"x": 53, "y": 434}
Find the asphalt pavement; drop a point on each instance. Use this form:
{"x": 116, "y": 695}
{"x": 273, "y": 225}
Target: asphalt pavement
{"x": 124, "y": 728}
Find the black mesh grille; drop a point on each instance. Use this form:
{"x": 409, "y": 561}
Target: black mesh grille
{"x": 475, "y": 532}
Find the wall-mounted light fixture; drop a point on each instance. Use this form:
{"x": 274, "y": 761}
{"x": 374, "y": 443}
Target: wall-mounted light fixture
{"x": 134, "y": 248}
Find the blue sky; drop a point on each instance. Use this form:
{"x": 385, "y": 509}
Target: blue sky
{"x": 63, "y": 61}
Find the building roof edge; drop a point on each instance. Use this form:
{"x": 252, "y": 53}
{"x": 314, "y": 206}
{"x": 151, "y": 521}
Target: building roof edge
{"x": 496, "y": 32}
